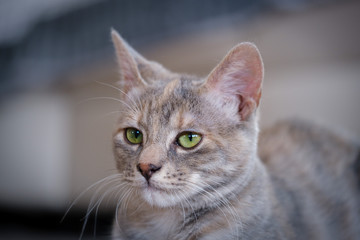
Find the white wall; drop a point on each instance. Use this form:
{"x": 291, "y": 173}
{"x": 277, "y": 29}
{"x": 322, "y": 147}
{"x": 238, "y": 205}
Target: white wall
{"x": 34, "y": 151}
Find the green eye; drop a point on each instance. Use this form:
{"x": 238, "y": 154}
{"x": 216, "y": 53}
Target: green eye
{"x": 189, "y": 139}
{"x": 133, "y": 135}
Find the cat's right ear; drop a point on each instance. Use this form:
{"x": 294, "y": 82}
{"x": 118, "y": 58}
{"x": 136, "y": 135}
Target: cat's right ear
{"x": 129, "y": 73}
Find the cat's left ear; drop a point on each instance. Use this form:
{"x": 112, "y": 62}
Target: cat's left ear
{"x": 239, "y": 78}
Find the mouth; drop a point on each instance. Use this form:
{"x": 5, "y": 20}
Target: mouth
{"x": 150, "y": 186}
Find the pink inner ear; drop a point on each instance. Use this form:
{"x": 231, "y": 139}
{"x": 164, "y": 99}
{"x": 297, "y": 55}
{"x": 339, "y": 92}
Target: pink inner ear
{"x": 127, "y": 71}
{"x": 239, "y": 74}
{"x": 128, "y": 68}
{"x": 235, "y": 79}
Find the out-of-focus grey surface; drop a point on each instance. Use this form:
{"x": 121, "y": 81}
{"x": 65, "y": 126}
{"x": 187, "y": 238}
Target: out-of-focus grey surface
{"x": 19, "y": 17}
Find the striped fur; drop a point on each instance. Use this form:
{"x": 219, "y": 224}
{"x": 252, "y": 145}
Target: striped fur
{"x": 305, "y": 186}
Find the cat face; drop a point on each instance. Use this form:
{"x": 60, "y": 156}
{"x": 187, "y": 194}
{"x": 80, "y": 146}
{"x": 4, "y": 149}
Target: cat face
{"x": 185, "y": 140}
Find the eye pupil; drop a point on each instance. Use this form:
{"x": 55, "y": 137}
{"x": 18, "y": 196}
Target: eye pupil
{"x": 137, "y": 133}
{"x": 190, "y": 137}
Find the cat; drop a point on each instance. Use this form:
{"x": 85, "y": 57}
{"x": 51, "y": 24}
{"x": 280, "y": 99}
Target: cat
{"x": 192, "y": 167}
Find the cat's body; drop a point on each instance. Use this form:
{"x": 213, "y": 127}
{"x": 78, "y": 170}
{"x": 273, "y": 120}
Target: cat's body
{"x": 304, "y": 187}
{"x": 316, "y": 180}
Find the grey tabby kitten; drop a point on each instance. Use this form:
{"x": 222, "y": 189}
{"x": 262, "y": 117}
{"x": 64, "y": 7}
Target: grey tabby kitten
{"x": 186, "y": 149}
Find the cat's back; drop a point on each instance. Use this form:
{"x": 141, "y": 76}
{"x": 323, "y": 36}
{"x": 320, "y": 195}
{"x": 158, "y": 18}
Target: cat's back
{"x": 316, "y": 178}
{"x": 308, "y": 149}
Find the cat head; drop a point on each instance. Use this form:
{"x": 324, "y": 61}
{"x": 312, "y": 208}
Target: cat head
{"x": 180, "y": 135}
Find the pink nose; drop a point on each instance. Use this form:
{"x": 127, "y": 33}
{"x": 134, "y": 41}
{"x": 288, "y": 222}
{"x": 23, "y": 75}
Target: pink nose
{"x": 147, "y": 170}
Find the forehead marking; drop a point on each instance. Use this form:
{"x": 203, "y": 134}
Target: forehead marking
{"x": 187, "y": 119}
{"x": 140, "y": 116}
{"x": 169, "y": 88}
{"x": 153, "y": 123}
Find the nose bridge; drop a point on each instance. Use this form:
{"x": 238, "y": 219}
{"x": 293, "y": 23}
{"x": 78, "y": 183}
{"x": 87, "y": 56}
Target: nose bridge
{"x": 150, "y": 155}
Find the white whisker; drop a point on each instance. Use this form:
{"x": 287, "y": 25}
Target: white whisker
{"x": 101, "y": 181}
{"x": 93, "y": 205}
{"x": 106, "y": 98}
{"x": 107, "y": 115}
{"x": 121, "y": 91}
{"x": 182, "y": 206}
{"x": 223, "y": 203}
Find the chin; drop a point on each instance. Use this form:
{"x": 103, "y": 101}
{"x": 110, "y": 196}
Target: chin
{"x": 159, "y": 198}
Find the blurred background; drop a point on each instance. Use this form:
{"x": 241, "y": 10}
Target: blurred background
{"x": 53, "y": 52}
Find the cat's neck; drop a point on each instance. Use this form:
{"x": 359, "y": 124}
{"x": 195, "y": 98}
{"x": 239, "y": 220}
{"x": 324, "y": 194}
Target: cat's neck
{"x": 250, "y": 206}
{"x": 251, "y": 202}
{"x": 255, "y": 199}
